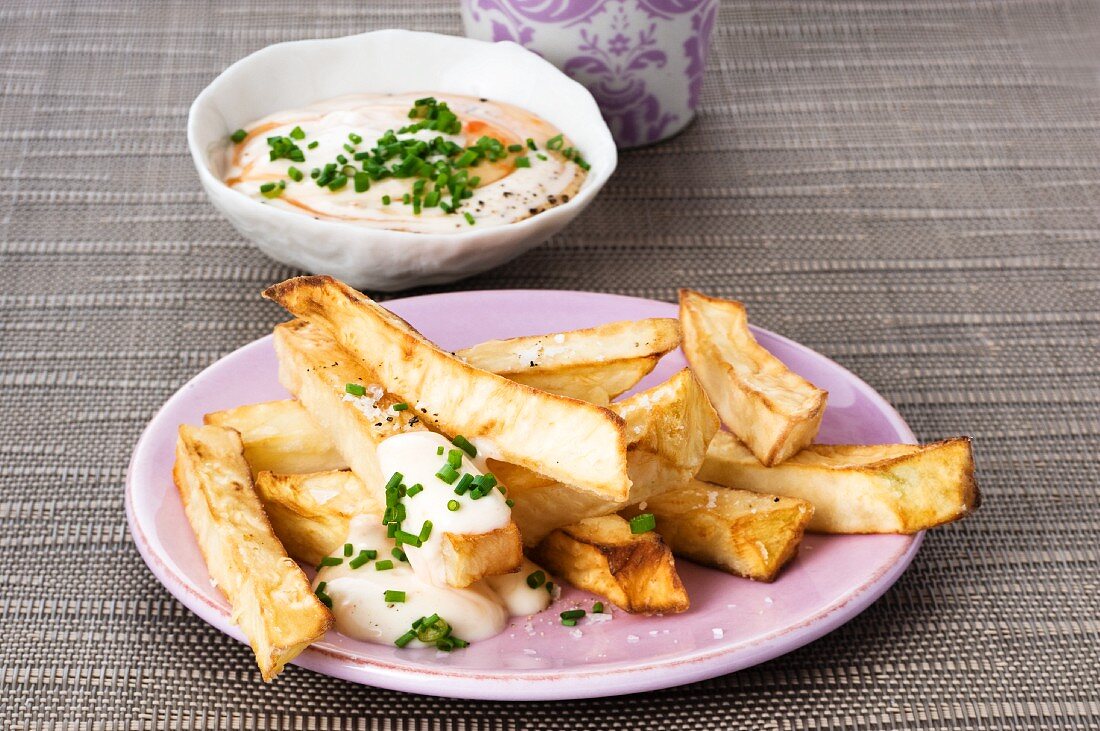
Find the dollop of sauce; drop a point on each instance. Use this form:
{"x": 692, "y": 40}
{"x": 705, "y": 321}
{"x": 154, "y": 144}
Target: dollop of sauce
{"x": 415, "y": 455}
{"x": 363, "y": 597}
{"x": 282, "y": 158}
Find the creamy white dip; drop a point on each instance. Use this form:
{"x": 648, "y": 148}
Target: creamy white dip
{"x": 520, "y": 184}
{"x": 359, "y": 595}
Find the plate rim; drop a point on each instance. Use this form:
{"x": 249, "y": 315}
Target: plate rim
{"x": 557, "y": 684}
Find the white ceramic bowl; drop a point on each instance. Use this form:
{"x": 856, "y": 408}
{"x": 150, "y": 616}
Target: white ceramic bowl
{"x": 288, "y": 75}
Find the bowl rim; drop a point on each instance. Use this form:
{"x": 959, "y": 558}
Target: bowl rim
{"x": 590, "y": 187}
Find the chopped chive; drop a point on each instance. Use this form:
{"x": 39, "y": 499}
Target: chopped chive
{"x": 384, "y": 565}
{"x": 338, "y": 182}
{"x": 569, "y": 622}
{"x": 393, "y": 596}
{"x": 359, "y": 560}
{"x": 341, "y": 159}
{"x": 550, "y": 588}
{"x": 452, "y": 505}
{"x": 348, "y": 549}
{"x": 425, "y": 531}
{"x": 399, "y": 554}
{"x": 386, "y": 200}
{"x": 515, "y": 148}
{"x": 447, "y": 474}
{"x": 523, "y": 162}
{"x": 643, "y": 523}
{"x": 325, "y": 598}
{"x": 403, "y": 536}
{"x": 454, "y": 458}
{"x": 297, "y": 133}
{"x": 469, "y": 218}
{"x": 597, "y": 608}
{"x": 405, "y": 638}
{"x": 432, "y": 629}
{"x": 555, "y": 142}
{"x": 464, "y": 484}
{"x": 349, "y": 149}
{"x": 531, "y": 144}
{"x": 572, "y": 614}
{"x": 400, "y": 407}
{"x": 354, "y": 138}
{"x": 464, "y": 444}
{"x": 330, "y": 561}
{"x": 540, "y": 156}
{"x": 474, "y": 181}
{"x": 362, "y": 182}
{"x": 414, "y": 490}
{"x": 238, "y": 136}
{"x": 439, "y": 450}
{"x": 535, "y": 579}
{"x": 355, "y": 389}
{"x": 394, "y": 481}
{"x": 369, "y": 553}
{"x": 510, "y": 503}
{"x": 295, "y": 174}
{"x": 391, "y": 529}
{"x": 313, "y": 145}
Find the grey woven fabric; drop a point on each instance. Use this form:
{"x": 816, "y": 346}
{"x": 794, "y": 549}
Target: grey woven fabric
{"x": 911, "y": 188}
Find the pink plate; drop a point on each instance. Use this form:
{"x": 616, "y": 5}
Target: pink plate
{"x": 732, "y": 624}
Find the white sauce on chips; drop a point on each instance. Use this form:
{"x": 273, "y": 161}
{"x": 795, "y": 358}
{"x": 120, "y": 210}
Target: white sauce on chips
{"x": 480, "y": 611}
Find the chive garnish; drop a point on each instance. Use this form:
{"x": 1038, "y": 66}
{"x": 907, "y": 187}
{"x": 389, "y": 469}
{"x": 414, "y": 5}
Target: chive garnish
{"x": 362, "y": 182}
{"x": 515, "y": 148}
{"x": 572, "y": 614}
{"x": 535, "y": 579}
{"x": 404, "y": 537}
{"x": 452, "y": 505}
{"x": 569, "y": 622}
{"x": 320, "y": 592}
{"x": 297, "y": 133}
{"x": 464, "y": 484}
{"x": 356, "y": 139}
{"x": 425, "y": 531}
{"x": 330, "y": 561}
{"x": 393, "y": 596}
{"x": 464, "y": 444}
{"x": 415, "y": 489}
{"x": 597, "y": 608}
{"x": 447, "y": 474}
{"x": 386, "y": 200}
{"x": 555, "y": 142}
{"x": 238, "y": 136}
{"x": 384, "y": 565}
{"x": 361, "y": 559}
{"x": 338, "y": 182}
{"x": 348, "y": 549}
{"x": 454, "y": 458}
{"x": 531, "y": 145}
{"x": 523, "y": 162}
{"x": 400, "y": 407}
{"x": 469, "y": 218}
{"x": 313, "y": 145}
{"x": 510, "y": 503}
{"x": 295, "y": 174}
{"x": 405, "y": 638}
{"x": 643, "y": 523}
{"x": 439, "y": 450}
{"x": 399, "y": 554}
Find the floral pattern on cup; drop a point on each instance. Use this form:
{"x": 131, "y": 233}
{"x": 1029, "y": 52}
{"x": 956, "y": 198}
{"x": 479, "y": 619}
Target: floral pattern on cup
{"x": 633, "y": 55}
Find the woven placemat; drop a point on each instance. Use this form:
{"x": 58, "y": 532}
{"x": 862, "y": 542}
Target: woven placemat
{"x": 910, "y": 188}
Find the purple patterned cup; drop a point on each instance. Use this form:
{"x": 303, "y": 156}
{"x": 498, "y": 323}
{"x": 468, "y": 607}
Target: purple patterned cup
{"x": 643, "y": 60}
